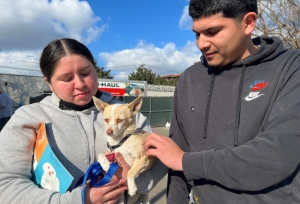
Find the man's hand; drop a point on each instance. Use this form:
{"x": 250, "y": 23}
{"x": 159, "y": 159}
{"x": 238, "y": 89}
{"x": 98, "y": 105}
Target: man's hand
{"x": 166, "y": 150}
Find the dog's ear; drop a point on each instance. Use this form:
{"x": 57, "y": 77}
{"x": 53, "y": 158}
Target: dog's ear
{"x": 136, "y": 105}
{"x": 100, "y": 105}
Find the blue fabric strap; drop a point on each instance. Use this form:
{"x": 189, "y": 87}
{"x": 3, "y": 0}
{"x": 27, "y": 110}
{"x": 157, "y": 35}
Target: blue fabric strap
{"x": 109, "y": 174}
{"x": 93, "y": 173}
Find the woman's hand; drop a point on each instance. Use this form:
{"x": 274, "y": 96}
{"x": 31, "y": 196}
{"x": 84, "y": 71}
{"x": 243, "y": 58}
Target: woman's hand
{"x": 108, "y": 194}
{"x": 111, "y": 192}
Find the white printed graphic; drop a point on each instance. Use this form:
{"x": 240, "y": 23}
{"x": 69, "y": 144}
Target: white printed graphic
{"x": 253, "y": 95}
{"x": 49, "y": 179}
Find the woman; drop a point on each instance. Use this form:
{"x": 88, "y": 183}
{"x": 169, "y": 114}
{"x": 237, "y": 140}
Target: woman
{"x": 74, "y": 130}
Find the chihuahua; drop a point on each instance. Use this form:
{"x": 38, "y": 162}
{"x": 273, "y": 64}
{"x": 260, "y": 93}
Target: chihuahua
{"x": 123, "y": 136}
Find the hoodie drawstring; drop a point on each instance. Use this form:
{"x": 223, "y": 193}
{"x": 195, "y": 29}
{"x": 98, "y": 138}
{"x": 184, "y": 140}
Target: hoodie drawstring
{"x": 238, "y": 109}
{"x": 92, "y": 148}
{"x": 208, "y": 104}
{"x": 89, "y": 141}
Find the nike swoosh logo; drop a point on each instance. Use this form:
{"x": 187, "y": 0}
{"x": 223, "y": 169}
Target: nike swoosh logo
{"x": 250, "y": 97}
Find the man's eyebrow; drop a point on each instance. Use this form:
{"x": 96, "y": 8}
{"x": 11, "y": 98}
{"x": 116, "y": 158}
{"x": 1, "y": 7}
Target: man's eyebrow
{"x": 207, "y": 29}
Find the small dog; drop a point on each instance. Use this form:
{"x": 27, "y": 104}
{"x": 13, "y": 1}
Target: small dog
{"x": 124, "y": 137}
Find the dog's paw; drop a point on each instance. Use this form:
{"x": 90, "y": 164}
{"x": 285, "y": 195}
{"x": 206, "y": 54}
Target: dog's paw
{"x": 132, "y": 189}
{"x": 105, "y": 164}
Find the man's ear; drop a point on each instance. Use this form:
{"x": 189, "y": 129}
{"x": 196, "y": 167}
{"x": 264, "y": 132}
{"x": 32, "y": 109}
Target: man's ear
{"x": 46, "y": 80}
{"x": 249, "y": 21}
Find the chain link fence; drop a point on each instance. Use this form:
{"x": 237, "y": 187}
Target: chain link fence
{"x": 158, "y": 110}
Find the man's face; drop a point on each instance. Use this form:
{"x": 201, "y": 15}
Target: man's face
{"x": 221, "y": 40}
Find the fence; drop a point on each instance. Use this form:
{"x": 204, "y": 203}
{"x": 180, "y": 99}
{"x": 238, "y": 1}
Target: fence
{"x": 38, "y": 98}
{"x": 158, "y": 110}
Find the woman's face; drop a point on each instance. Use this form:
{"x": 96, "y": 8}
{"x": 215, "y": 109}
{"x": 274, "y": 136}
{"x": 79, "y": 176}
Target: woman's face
{"x": 74, "y": 80}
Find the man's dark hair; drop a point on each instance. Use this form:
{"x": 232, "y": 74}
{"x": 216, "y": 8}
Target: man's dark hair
{"x": 229, "y": 8}
{"x": 57, "y": 49}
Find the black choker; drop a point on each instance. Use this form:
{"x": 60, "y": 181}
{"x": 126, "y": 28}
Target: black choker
{"x": 71, "y": 106}
{"x": 113, "y": 147}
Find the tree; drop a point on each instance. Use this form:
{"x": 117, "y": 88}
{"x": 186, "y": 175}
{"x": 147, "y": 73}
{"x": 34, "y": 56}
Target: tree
{"x": 101, "y": 73}
{"x": 280, "y": 18}
{"x": 164, "y": 81}
{"x": 143, "y": 74}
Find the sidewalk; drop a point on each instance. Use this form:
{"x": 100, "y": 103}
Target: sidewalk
{"x": 158, "y": 194}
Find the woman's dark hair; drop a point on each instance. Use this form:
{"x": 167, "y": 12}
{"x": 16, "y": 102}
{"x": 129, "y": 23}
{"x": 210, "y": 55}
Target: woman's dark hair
{"x": 235, "y": 9}
{"x": 56, "y": 50}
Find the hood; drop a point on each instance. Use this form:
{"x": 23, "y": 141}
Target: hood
{"x": 269, "y": 48}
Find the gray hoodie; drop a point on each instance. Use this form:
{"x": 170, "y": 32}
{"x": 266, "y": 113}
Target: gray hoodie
{"x": 76, "y": 137}
{"x": 240, "y": 129}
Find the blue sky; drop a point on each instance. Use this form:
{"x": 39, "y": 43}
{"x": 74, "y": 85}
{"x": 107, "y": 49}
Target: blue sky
{"x": 121, "y": 34}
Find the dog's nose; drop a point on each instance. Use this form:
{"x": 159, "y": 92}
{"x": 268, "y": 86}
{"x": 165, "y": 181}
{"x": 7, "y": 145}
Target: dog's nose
{"x": 109, "y": 132}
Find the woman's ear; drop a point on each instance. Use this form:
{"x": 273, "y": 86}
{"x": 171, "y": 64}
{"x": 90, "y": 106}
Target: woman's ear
{"x": 46, "y": 80}
{"x": 249, "y": 21}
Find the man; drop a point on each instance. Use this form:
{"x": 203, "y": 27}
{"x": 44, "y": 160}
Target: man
{"x": 6, "y": 109}
{"x": 235, "y": 130}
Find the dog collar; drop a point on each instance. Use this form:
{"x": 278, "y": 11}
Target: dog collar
{"x": 113, "y": 147}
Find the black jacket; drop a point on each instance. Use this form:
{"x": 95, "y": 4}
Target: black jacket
{"x": 240, "y": 129}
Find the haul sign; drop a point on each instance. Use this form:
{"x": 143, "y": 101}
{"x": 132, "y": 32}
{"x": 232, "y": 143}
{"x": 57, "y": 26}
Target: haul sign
{"x": 123, "y": 88}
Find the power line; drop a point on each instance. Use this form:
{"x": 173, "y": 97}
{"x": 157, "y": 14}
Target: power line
{"x": 19, "y": 60}
{"x": 162, "y": 68}
{"x": 146, "y": 65}
{"x": 121, "y": 65}
{"x": 5, "y": 67}
{"x": 133, "y": 65}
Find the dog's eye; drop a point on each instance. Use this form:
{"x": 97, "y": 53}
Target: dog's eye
{"x": 119, "y": 120}
{"x": 106, "y": 120}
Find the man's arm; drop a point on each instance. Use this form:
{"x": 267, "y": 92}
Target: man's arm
{"x": 268, "y": 159}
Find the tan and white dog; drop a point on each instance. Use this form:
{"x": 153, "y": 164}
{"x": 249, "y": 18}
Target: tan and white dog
{"x": 124, "y": 137}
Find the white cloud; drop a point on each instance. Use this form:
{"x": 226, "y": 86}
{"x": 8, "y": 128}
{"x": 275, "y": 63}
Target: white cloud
{"x": 121, "y": 75}
{"x": 29, "y": 24}
{"x": 26, "y": 26}
{"x": 166, "y": 60}
{"x": 20, "y": 63}
{"x": 185, "y": 21}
